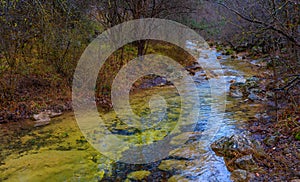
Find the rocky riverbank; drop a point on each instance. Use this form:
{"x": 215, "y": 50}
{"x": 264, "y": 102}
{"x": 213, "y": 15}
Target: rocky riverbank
{"x": 241, "y": 156}
{"x": 271, "y": 149}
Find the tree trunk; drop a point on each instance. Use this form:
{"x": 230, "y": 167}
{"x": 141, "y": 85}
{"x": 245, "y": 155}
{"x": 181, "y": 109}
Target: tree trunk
{"x": 141, "y": 47}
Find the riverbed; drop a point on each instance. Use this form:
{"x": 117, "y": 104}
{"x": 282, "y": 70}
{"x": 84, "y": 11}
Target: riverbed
{"x": 60, "y": 152}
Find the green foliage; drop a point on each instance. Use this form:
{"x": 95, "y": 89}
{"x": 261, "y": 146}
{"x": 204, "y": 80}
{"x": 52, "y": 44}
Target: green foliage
{"x": 219, "y": 47}
{"x": 229, "y": 51}
{"x": 297, "y": 136}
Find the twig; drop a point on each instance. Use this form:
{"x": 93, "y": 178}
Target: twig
{"x": 289, "y": 85}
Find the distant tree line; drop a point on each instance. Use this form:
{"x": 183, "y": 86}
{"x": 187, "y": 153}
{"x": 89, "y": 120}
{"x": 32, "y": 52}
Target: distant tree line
{"x": 55, "y": 33}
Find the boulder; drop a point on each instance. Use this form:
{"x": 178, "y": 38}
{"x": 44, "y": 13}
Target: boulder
{"x": 230, "y": 147}
{"x": 239, "y": 153}
{"x": 45, "y": 114}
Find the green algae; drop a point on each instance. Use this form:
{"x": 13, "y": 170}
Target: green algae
{"x": 57, "y": 152}
{"x": 178, "y": 178}
{"x": 138, "y": 175}
{"x": 60, "y": 152}
{"x": 50, "y": 165}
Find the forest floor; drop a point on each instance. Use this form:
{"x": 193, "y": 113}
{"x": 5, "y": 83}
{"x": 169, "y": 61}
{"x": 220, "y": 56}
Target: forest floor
{"x": 280, "y": 139}
{"x": 277, "y": 128}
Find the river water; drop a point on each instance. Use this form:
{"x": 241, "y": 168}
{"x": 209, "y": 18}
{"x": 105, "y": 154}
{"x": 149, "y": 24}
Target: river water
{"x": 59, "y": 151}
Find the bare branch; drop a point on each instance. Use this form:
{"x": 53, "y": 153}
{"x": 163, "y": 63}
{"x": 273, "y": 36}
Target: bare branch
{"x": 266, "y": 25}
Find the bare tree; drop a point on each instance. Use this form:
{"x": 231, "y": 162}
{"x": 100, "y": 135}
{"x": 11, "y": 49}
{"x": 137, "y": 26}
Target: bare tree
{"x": 113, "y": 12}
{"x": 274, "y": 26}
{"x": 280, "y": 16}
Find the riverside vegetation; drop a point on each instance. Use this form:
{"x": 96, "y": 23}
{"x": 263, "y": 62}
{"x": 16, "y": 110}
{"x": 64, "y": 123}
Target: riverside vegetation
{"x": 256, "y": 42}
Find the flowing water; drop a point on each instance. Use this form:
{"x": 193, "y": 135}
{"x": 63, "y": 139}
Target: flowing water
{"x": 59, "y": 151}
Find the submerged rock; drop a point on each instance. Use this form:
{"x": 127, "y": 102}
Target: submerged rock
{"x": 185, "y": 137}
{"x": 124, "y": 130}
{"x": 138, "y": 175}
{"x": 175, "y": 165}
{"x": 148, "y": 83}
{"x": 187, "y": 152}
{"x": 178, "y": 178}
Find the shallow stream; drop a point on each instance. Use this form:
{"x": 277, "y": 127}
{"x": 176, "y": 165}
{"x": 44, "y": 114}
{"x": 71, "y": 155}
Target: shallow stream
{"x": 59, "y": 151}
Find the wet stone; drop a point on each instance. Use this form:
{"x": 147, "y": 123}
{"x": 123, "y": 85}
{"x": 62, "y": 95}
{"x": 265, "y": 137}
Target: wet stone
{"x": 271, "y": 140}
{"x": 177, "y": 178}
{"x": 173, "y": 165}
{"x": 185, "y": 137}
{"x": 44, "y": 117}
{"x": 231, "y": 146}
{"x": 245, "y": 162}
{"x": 138, "y": 175}
{"x": 253, "y": 96}
{"x": 236, "y": 90}
{"x": 239, "y": 175}
{"x": 187, "y": 152}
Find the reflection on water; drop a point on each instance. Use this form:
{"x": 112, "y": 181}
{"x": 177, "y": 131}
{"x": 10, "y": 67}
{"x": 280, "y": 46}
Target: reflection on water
{"x": 59, "y": 152}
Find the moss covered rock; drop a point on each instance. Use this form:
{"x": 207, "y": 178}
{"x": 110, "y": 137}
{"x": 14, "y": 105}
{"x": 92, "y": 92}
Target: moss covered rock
{"x": 138, "y": 175}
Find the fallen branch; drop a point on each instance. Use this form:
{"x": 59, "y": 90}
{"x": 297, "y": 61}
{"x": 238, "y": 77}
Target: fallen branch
{"x": 290, "y": 85}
